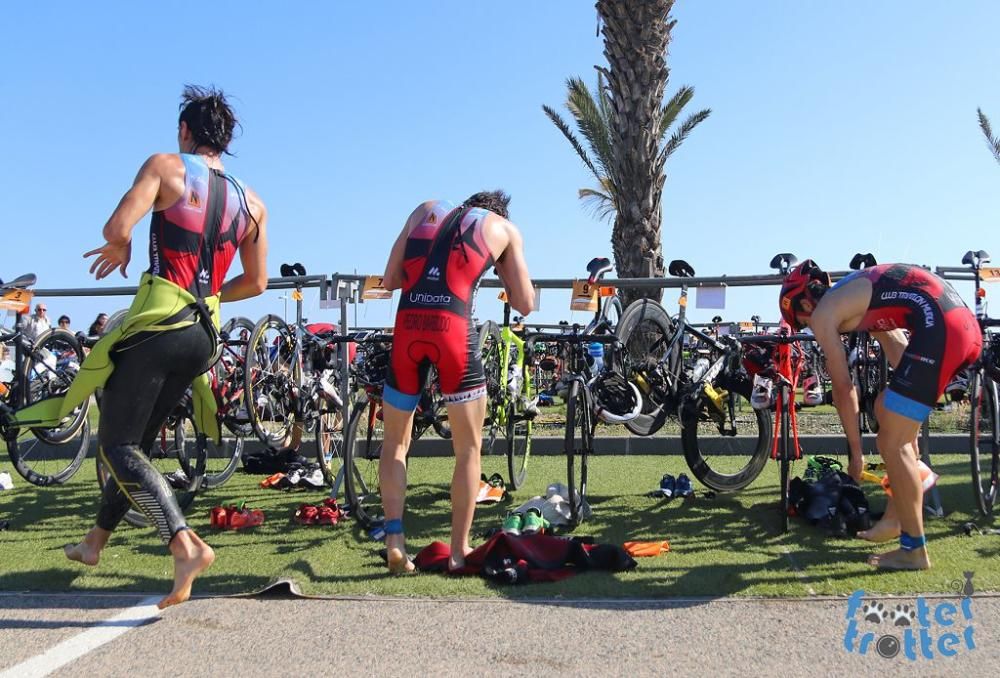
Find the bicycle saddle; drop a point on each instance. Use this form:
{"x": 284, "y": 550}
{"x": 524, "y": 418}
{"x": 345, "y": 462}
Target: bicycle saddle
{"x": 292, "y": 270}
{"x": 680, "y": 269}
{"x": 716, "y": 319}
{"x": 970, "y": 258}
{"x": 21, "y": 282}
{"x": 597, "y": 267}
{"x": 784, "y": 261}
{"x": 860, "y": 261}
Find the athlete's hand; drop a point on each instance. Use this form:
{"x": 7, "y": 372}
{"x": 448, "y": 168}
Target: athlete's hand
{"x": 855, "y": 465}
{"x": 109, "y": 258}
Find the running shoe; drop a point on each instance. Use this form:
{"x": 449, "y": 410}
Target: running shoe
{"x": 668, "y": 485}
{"x": 513, "y": 523}
{"x": 762, "y": 396}
{"x": 684, "y": 488}
{"x": 533, "y": 522}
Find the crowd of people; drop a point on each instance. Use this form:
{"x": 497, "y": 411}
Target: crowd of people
{"x": 38, "y": 323}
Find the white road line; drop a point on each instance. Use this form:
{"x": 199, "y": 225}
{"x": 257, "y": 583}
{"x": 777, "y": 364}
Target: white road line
{"x": 73, "y": 648}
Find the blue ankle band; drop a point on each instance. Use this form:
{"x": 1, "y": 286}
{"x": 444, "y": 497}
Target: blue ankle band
{"x": 908, "y": 543}
{"x": 394, "y": 526}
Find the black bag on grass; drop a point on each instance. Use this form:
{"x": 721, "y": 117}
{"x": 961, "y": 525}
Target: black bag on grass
{"x": 270, "y": 460}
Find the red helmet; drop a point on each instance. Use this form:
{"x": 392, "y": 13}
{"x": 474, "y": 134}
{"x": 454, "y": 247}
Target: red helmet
{"x": 804, "y": 283}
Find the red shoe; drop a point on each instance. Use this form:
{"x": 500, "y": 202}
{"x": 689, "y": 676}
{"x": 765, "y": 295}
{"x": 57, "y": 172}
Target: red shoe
{"x": 306, "y": 515}
{"x": 219, "y": 517}
{"x": 248, "y": 518}
{"x": 327, "y": 516}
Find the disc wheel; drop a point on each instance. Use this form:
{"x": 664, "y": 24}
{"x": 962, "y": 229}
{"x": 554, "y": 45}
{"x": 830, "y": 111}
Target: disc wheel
{"x": 646, "y": 332}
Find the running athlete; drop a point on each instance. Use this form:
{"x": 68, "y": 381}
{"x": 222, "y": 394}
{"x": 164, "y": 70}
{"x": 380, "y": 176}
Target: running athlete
{"x": 437, "y": 261}
{"x": 201, "y": 217}
{"x": 944, "y": 338}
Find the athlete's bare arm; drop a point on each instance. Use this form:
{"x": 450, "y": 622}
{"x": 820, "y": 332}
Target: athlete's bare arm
{"x": 159, "y": 183}
{"x": 253, "y": 255}
{"x": 395, "y": 275}
{"x": 511, "y": 266}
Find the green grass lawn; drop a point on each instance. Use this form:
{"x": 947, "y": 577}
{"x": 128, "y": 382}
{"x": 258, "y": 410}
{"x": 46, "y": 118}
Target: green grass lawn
{"x": 729, "y": 545}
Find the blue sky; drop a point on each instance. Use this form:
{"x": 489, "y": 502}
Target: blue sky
{"x": 835, "y": 127}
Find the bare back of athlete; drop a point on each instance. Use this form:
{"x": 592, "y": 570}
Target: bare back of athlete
{"x": 503, "y": 240}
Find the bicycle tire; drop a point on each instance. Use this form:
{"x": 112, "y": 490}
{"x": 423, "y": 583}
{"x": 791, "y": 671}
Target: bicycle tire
{"x": 227, "y": 456}
{"x": 237, "y": 417}
{"x": 707, "y": 461}
{"x": 50, "y": 456}
{"x": 362, "y": 451}
{"x": 983, "y": 440}
{"x": 490, "y": 345}
{"x": 645, "y": 331}
{"x": 577, "y": 417}
{"x": 329, "y": 440}
{"x": 269, "y": 378}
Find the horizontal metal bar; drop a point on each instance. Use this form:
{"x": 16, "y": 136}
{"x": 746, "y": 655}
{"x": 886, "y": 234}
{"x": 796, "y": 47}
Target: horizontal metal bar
{"x": 307, "y": 281}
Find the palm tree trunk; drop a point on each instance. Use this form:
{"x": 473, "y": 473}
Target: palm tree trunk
{"x": 636, "y": 36}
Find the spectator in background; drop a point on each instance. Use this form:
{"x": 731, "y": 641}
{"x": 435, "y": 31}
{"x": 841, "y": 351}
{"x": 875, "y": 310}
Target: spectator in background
{"x": 64, "y": 322}
{"x": 97, "y": 327}
{"x": 37, "y": 323}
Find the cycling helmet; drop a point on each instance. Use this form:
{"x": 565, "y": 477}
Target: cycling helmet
{"x": 804, "y": 283}
{"x": 616, "y": 399}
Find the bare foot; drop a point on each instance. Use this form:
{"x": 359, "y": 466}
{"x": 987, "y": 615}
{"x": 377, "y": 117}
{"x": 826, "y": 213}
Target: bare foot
{"x": 883, "y": 530}
{"x": 191, "y": 557}
{"x": 458, "y": 562}
{"x": 82, "y": 553}
{"x": 917, "y": 559}
{"x": 399, "y": 562}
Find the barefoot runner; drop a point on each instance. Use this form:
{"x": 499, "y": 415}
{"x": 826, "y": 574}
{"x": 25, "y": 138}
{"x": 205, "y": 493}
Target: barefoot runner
{"x": 437, "y": 260}
{"x": 201, "y": 217}
{"x": 944, "y": 338}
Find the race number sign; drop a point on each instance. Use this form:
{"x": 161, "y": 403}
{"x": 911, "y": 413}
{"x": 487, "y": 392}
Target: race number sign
{"x": 746, "y": 326}
{"x": 990, "y": 274}
{"x": 584, "y": 296}
{"x": 16, "y": 301}
{"x": 373, "y": 289}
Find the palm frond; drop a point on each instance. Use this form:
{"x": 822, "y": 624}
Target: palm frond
{"x": 591, "y": 124}
{"x": 574, "y": 142}
{"x": 678, "y": 137}
{"x": 673, "y": 108}
{"x": 603, "y": 100}
{"x": 991, "y": 141}
{"x": 601, "y": 205}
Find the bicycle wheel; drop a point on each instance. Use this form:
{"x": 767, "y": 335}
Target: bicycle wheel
{"x": 490, "y": 347}
{"x": 271, "y": 375}
{"x": 219, "y": 461}
{"x": 50, "y": 456}
{"x": 329, "y": 440}
{"x": 165, "y": 456}
{"x": 786, "y": 464}
{"x": 984, "y": 440}
{"x": 230, "y": 371}
{"x": 362, "y": 450}
{"x": 729, "y": 459}
{"x": 518, "y": 437}
{"x": 577, "y": 445}
{"x": 645, "y": 331}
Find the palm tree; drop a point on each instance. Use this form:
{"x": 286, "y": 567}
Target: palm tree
{"x": 626, "y": 126}
{"x": 991, "y": 141}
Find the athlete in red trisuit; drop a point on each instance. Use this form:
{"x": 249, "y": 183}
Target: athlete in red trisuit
{"x": 437, "y": 261}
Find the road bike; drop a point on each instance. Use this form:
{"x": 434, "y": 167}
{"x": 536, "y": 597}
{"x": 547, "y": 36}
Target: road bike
{"x": 867, "y": 362}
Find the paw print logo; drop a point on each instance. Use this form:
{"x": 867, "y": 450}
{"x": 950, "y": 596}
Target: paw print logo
{"x": 903, "y": 616}
{"x": 875, "y": 612}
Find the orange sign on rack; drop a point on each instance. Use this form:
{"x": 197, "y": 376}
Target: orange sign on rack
{"x": 373, "y": 289}
{"x": 607, "y": 291}
{"x": 989, "y": 274}
{"x": 16, "y": 300}
{"x": 297, "y": 295}
{"x": 746, "y": 326}
{"x": 503, "y": 296}
{"x": 584, "y": 296}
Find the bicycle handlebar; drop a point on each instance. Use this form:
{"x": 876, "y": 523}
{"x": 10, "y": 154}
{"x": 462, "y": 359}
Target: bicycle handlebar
{"x": 775, "y": 338}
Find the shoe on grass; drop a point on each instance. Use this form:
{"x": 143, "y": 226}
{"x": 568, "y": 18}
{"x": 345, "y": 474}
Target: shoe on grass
{"x": 534, "y": 522}
{"x": 684, "y": 488}
{"x": 513, "y": 523}
{"x": 668, "y": 485}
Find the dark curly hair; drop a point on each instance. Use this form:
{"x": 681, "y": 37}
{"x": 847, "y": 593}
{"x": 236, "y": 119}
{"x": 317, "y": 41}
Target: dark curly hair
{"x": 494, "y": 201}
{"x": 209, "y": 117}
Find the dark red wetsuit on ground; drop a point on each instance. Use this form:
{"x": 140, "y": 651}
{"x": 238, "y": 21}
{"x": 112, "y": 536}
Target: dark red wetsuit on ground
{"x": 445, "y": 257}
{"x": 193, "y": 242}
{"x": 944, "y": 335}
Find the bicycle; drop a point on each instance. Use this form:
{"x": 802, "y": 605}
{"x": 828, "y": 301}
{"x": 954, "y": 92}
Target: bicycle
{"x": 41, "y": 369}
{"x": 984, "y": 419}
{"x": 711, "y": 398}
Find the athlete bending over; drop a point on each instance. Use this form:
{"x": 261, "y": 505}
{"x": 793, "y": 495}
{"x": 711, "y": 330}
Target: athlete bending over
{"x": 201, "y": 217}
{"x": 944, "y": 339}
{"x": 437, "y": 261}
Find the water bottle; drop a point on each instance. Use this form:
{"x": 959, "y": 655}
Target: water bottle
{"x": 700, "y": 367}
{"x": 514, "y": 372}
{"x": 596, "y": 351}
